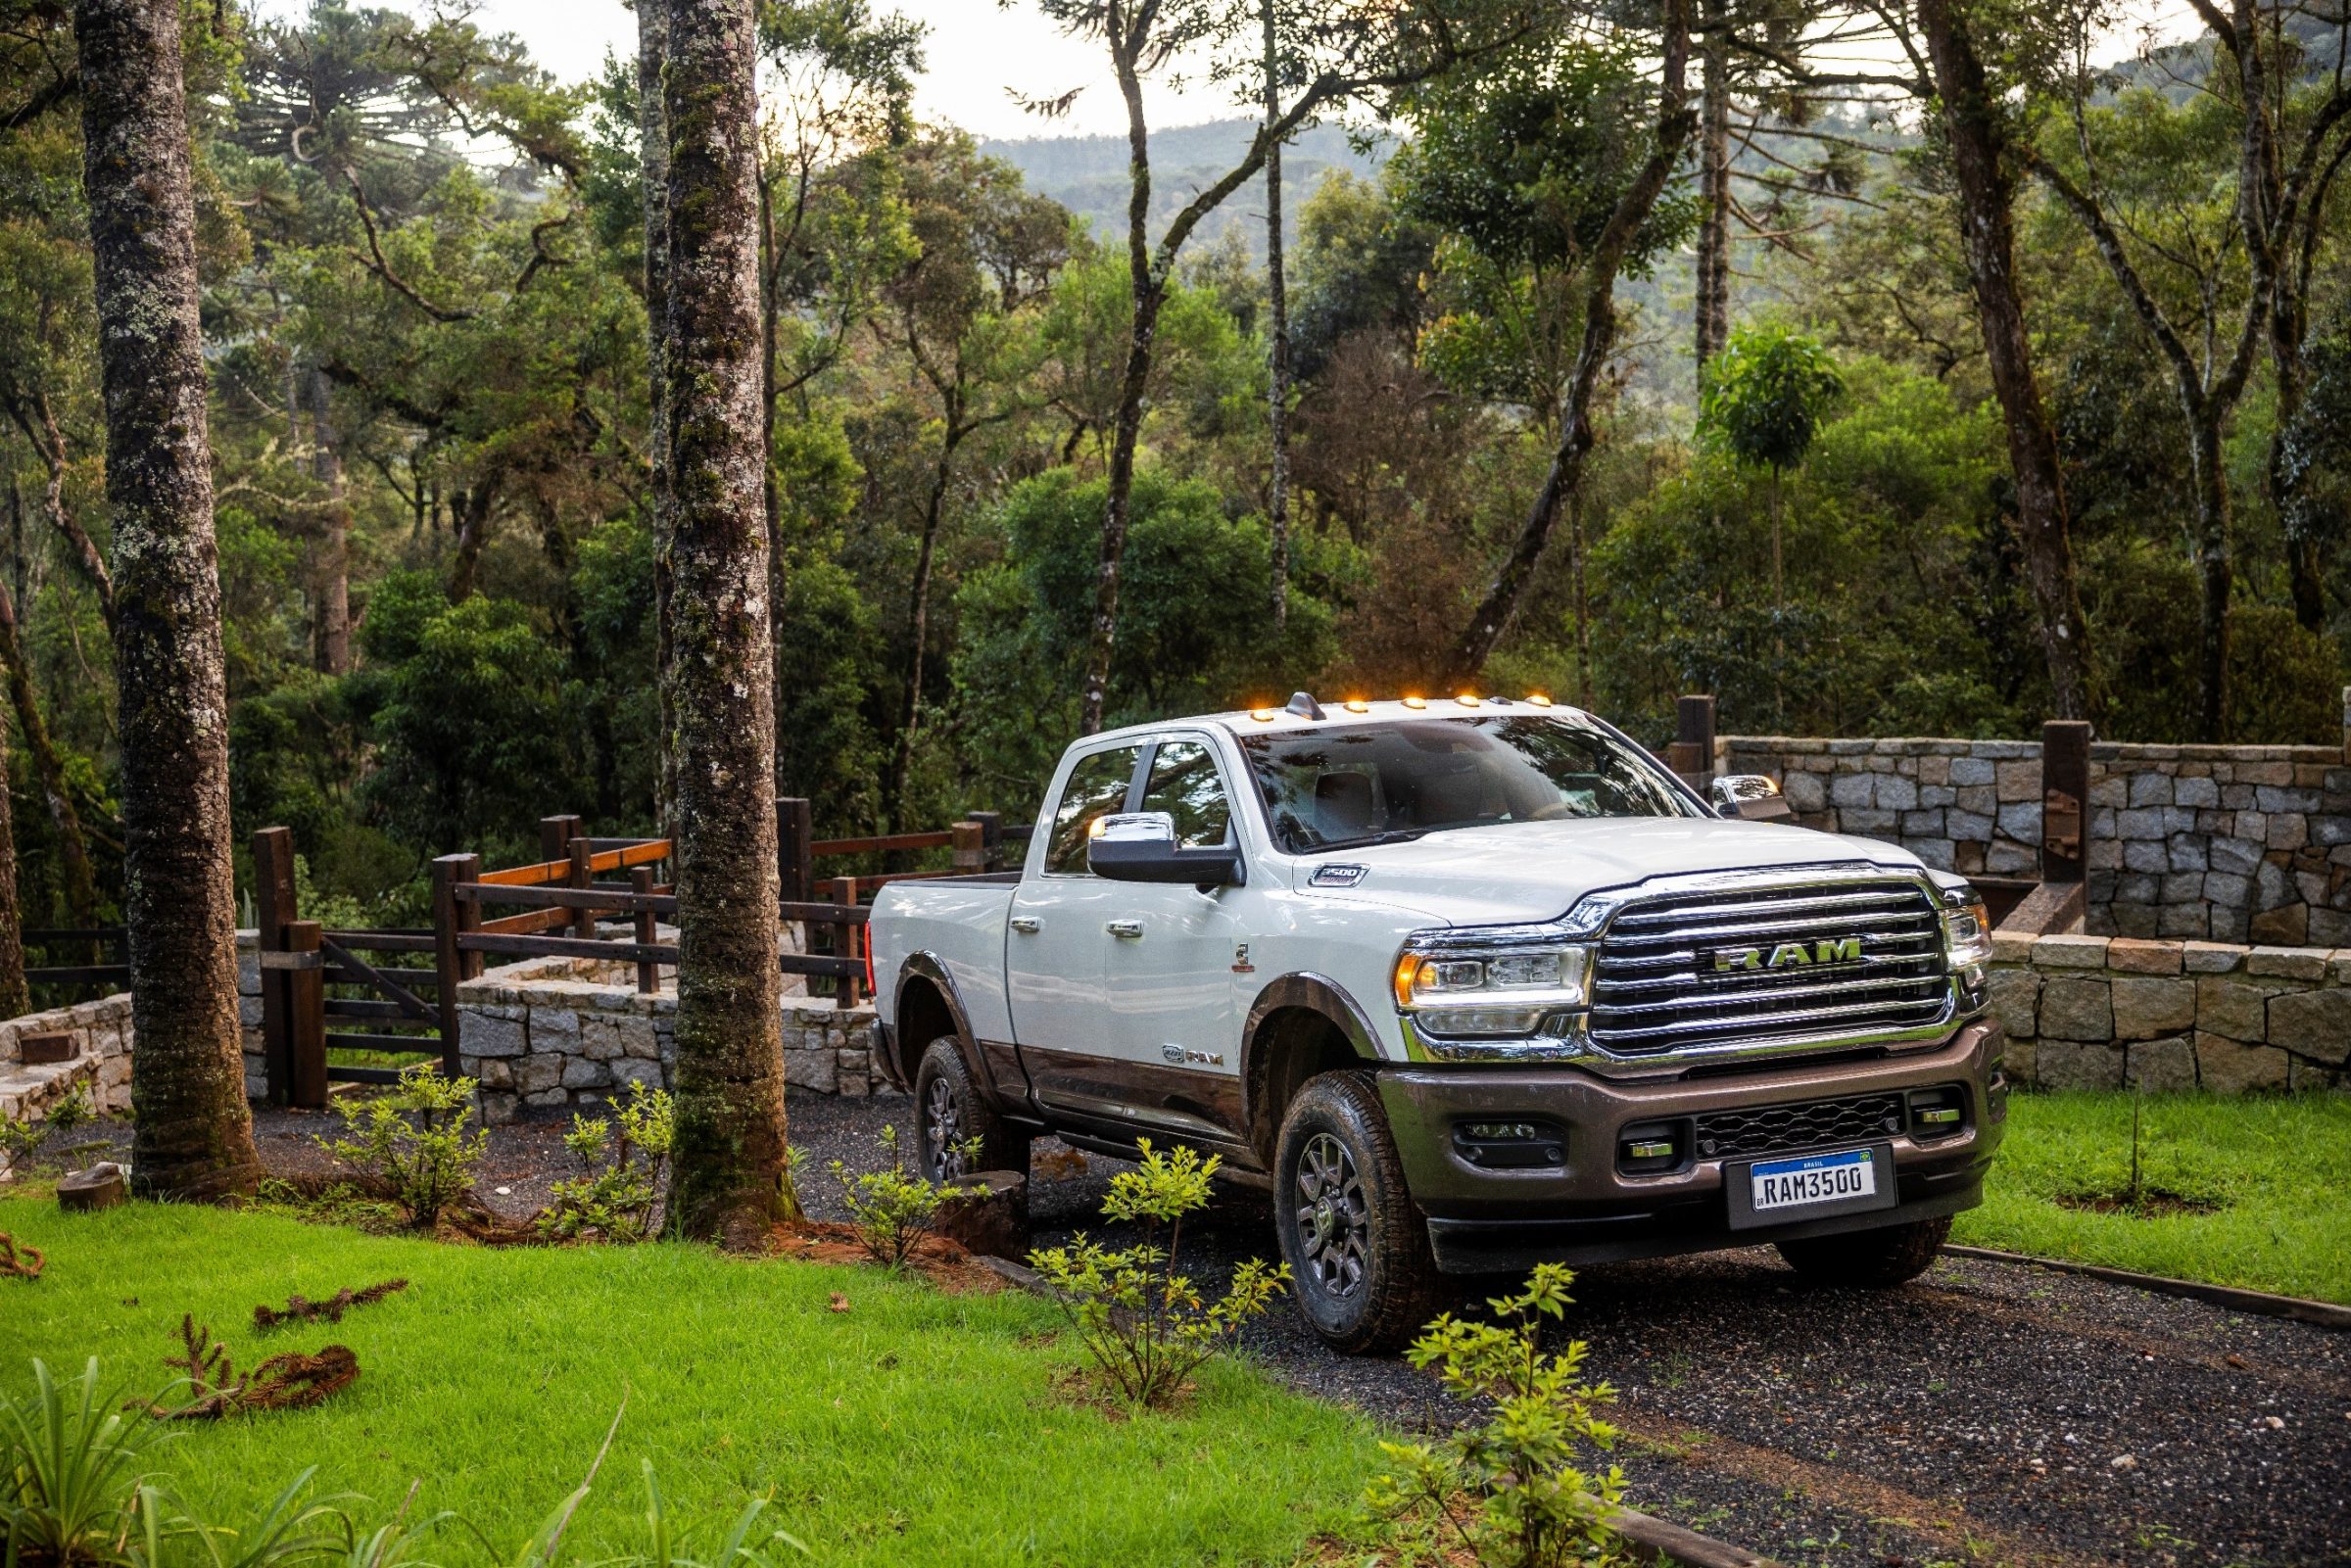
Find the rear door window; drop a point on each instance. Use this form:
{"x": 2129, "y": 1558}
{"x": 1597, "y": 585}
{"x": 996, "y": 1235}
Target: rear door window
{"x": 1097, "y": 787}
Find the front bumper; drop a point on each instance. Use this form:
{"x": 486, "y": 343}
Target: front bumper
{"x": 1588, "y": 1210}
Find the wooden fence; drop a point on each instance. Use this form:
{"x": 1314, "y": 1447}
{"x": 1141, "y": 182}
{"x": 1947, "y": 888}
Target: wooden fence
{"x": 584, "y": 897}
{"x": 83, "y": 963}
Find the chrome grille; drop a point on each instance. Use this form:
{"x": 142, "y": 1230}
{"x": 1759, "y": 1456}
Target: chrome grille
{"x": 1674, "y": 970}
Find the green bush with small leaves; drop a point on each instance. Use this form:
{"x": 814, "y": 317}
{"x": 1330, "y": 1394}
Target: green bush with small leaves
{"x": 893, "y": 1208}
{"x": 1508, "y": 1487}
{"x": 411, "y": 1146}
{"x": 621, "y": 1163}
{"x": 1146, "y": 1326}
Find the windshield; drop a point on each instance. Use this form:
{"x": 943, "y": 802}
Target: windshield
{"x": 1365, "y": 783}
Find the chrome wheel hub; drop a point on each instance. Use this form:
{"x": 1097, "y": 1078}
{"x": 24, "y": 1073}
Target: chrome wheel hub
{"x": 1334, "y": 1230}
{"x": 943, "y": 1131}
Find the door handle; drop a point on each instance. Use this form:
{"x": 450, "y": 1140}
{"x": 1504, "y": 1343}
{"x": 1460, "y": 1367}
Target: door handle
{"x": 1127, "y": 930}
{"x": 1027, "y": 924}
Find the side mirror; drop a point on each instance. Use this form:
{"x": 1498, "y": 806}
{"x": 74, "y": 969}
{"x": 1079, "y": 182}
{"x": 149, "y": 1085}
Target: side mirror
{"x": 1139, "y": 846}
{"x": 1748, "y": 797}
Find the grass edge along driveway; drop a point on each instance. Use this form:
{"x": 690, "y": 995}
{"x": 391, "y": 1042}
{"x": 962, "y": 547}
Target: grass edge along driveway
{"x": 914, "y": 1427}
{"x": 2277, "y": 1167}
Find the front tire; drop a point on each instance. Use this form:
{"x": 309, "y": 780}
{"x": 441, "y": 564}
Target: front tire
{"x": 949, "y": 1112}
{"x": 1868, "y": 1259}
{"x": 1358, "y": 1247}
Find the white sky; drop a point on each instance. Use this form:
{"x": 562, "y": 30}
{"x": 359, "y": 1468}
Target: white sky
{"x": 976, "y": 49}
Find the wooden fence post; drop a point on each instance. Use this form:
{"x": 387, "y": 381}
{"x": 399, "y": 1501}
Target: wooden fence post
{"x": 555, "y": 834}
{"x": 847, "y": 940}
{"x": 970, "y": 846}
{"x": 273, "y": 901}
{"x": 991, "y": 837}
{"x": 450, "y": 916}
{"x": 1692, "y": 751}
{"x": 795, "y": 861}
{"x": 2064, "y": 800}
{"x": 649, "y": 972}
{"x": 582, "y": 877}
{"x": 305, "y": 988}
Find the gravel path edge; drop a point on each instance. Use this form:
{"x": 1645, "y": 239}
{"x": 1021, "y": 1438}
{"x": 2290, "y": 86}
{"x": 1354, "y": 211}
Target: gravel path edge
{"x": 2296, "y": 1308}
{"x": 1671, "y": 1543}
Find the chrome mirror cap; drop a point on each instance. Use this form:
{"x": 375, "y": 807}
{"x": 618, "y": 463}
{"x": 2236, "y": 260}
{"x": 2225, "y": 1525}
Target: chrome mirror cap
{"x": 1748, "y": 797}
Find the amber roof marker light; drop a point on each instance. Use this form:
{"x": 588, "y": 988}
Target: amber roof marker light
{"x": 1416, "y": 703}
{"x": 1357, "y": 705}
{"x": 1538, "y": 700}
{"x": 1467, "y": 699}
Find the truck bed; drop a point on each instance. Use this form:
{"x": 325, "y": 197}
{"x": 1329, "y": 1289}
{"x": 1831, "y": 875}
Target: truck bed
{"x": 959, "y": 923}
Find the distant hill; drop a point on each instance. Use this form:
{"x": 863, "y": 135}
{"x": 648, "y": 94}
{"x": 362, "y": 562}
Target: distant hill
{"x": 1088, "y": 174}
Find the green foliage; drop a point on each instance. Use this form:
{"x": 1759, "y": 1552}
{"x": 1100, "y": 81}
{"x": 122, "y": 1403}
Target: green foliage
{"x": 1766, "y": 395}
{"x": 410, "y": 1145}
{"x": 622, "y": 1159}
{"x": 1145, "y": 1326}
{"x": 67, "y": 1470}
{"x": 27, "y": 1141}
{"x": 1508, "y": 1485}
{"x": 894, "y": 1209}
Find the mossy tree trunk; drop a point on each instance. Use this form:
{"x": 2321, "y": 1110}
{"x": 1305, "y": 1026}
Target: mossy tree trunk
{"x": 725, "y": 1181}
{"x": 652, "y": 51}
{"x": 194, "y": 1137}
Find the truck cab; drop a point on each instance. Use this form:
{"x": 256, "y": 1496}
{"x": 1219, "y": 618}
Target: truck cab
{"x": 1470, "y": 983}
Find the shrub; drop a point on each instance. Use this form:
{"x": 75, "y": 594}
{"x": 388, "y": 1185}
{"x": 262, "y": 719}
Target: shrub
{"x": 411, "y": 1144}
{"x": 1508, "y": 1485}
{"x": 620, "y": 1177}
{"x": 25, "y": 1143}
{"x": 66, "y": 1469}
{"x": 1145, "y": 1326}
{"x": 892, "y": 1209}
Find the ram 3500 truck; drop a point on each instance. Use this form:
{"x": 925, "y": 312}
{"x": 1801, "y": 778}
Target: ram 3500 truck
{"x": 1471, "y": 984}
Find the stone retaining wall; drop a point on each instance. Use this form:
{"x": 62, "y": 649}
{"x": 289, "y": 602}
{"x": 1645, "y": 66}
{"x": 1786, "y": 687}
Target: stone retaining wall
{"x": 2094, "y": 1012}
{"x": 557, "y": 1033}
{"x": 101, "y": 1032}
{"x": 2226, "y": 843}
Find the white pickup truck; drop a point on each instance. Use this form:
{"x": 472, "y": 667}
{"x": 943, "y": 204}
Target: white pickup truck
{"x": 1470, "y": 983}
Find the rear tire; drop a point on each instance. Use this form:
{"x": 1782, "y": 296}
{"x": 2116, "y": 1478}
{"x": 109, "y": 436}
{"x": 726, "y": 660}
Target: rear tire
{"x": 1358, "y": 1247}
{"x": 949, "y": 1111}
{"x": 1868, "y": 1259}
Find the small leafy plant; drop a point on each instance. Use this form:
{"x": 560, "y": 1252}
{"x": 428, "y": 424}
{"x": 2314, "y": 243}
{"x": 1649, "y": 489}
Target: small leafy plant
{"x": 893, "y": 1208}
{"x": 68, "y": 1466}
{"x": 1509, "y": 1486}
{"x": 25, "y": 1142}
{"x": 411, "y": 1144}
{"x": 621, "y": 1163}
{"x": 1146, "y": 1326}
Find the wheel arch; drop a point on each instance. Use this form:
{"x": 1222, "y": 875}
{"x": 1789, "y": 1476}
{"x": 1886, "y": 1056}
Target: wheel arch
{"x": 1300, "y": 1026}
{"x": 928, "y": 1007}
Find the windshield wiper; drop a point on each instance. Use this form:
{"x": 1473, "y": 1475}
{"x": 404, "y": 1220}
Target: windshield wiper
{"x": 1394, "y": 836}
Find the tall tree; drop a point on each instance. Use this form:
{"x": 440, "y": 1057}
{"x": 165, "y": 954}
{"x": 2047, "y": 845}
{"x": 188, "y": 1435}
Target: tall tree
{"x": 1277, "y": 332}
{"x": 194, "y": 1133}
{"x": 1353, "y": 50}
{"x": 728, "y": 1171}
{"x": 1974, "y": 123}
{"x": 16, "y": 1000}
{"x": 653, "y": 55}
{"x": 2201, "y": 275}
{"x": 1619, "y": 229}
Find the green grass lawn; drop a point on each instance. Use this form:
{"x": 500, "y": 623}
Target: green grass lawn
{"x": 917, "y": 1427}
{"x": 2278, "y": 1168}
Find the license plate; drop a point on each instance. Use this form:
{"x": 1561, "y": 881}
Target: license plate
{"x": 1804, "y": 1186}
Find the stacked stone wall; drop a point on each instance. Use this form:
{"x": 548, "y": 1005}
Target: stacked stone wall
{"x": 2222, "y": 843}
{"x": 560, "y": 1032}
{"x": 2103, "y": 1012}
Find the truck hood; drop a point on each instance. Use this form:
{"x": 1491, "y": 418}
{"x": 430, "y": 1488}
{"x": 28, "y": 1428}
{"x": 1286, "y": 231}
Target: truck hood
{"x": 1534, "y": 871}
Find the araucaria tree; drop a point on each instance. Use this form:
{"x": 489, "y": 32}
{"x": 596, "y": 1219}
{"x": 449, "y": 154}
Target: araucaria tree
{"x": 194, "y": 1136}
{"x": 1352, "y": 50}
{"x": 728, "y": 1166}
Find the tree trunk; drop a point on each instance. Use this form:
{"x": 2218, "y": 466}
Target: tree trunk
{"x": 728, "y": 1169}
{"x": 2215, "y": 570}
{"x": 333, "y": 561}
{"x": 1713, "y": 261}
{"x": 935, "y": 505}
{"x": 16, "y": 998}
{"x": 194, "y": 1132}
{"x": 1578, "y": 557}
{"x": 80, "y": 887}
{"x": 50, "y": 443}
{"x": 652, "y": 130}
{"x": 1278, "y": 343}
{"x": 1500, "y": 606}
{"x": 474, "y": 503}
{"x": 1972, "y": 129}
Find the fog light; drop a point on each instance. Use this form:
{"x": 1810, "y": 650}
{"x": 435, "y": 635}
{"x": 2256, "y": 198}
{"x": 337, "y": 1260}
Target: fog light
{"x": 1511, "y": 1145}
{"x": 1653, "y": 1148}
{"x": 1938, "y": 1113}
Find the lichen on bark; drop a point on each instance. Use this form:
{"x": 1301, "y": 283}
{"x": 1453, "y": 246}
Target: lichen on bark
{"x": 194, "y": 1135}
{"x": 729, "y": 1161}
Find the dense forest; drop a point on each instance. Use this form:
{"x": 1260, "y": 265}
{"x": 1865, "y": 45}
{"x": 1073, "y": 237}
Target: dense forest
{"x": 1881, "y": 370}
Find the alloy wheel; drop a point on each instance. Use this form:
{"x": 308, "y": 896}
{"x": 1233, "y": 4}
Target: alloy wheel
{"x": 1334, "y": 1232}
{"x": 943, "y": 1131}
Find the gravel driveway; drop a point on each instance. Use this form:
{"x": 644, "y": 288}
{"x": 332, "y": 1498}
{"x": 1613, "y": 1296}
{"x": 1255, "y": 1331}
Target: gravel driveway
{"x": 1987, "y": 1413}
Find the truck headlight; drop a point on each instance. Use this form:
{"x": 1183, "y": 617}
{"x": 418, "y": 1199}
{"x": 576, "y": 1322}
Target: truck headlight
{"x": 1497, "y": 983}
{"x": 1967, "y": 933}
